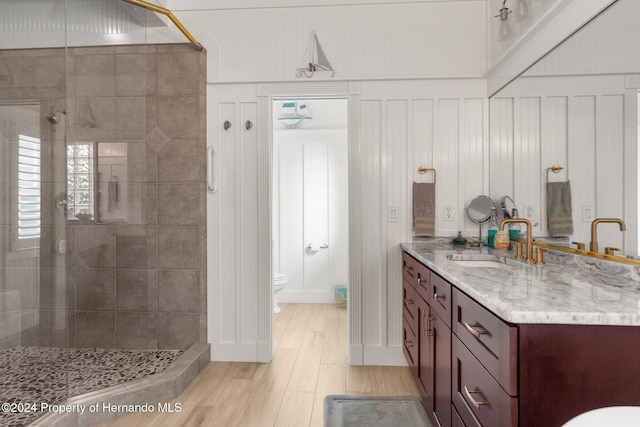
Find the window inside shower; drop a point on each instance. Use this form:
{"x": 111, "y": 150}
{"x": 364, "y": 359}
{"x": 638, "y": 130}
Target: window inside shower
{"x": 80, "y": 181}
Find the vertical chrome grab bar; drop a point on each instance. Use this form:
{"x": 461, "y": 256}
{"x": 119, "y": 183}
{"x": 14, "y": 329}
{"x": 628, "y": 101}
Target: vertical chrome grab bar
{"x": 211, "y": 187}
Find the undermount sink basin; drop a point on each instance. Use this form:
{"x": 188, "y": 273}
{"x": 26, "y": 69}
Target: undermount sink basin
{"x": 477, "y": 260}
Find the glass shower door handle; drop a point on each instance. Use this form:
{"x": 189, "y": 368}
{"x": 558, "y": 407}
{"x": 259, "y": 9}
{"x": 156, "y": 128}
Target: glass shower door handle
{"x": 211, "y": 186}
{"x": 325, "y": 246}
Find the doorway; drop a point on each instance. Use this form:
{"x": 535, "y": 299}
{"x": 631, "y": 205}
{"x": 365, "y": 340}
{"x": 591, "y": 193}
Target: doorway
{"x": 309, "y": 198}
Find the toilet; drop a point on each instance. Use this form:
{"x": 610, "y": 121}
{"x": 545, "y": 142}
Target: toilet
{"x": 279, "y": 282}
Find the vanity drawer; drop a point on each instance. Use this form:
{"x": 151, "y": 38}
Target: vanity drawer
{"x": 478, "y": 398}
{"x": 492, "y": 341}
{"x": 417, "y": 274}
{"x": 410, "y": 347}
{"x": 410, "y": 303}
{"x": 441, "y": 302}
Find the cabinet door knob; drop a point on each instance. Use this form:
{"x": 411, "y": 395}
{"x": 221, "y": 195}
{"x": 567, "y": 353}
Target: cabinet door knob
{"x": 476, "y": 329}
{"x": 474, "y": 402}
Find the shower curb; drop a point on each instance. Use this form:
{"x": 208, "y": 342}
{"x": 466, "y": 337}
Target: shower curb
{"x": 154, "y": 390}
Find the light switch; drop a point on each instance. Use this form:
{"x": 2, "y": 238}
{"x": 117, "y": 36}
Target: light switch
{"x": 392, "y": 214}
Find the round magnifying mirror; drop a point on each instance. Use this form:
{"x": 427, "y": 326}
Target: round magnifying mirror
{"x": 479, "y": 209}
{"x": 508, "y": 205}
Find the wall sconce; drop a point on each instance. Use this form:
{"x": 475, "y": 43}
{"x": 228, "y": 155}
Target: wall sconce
{"x": 504, "y": 32}
{"x": 522, "y": 12}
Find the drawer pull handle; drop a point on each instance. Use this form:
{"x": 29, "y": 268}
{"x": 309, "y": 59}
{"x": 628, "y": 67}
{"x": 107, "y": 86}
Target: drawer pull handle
{"x": 473, "y": 329}
{"x": 409, "y": 344}
{"x": 408, "y": 268}
{"x": 473, "y": 401}
{"x": 437, "y": 297}
{"x": 408, "y": 301}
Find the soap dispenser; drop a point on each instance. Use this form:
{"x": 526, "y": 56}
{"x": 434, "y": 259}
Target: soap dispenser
{"x": 493, "y": 227}
{"x": 514, "y": 227}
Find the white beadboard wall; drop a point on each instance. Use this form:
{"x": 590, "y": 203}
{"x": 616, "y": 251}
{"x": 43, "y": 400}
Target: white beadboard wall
{"x": 575, "y": 121}
{"x": 399, "y": 126}
{"x": 366, "y": 41}
{"x": 403, "y": 125}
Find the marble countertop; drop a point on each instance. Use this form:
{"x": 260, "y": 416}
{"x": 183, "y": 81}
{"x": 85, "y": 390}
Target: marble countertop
{"x": 567, "y": 289}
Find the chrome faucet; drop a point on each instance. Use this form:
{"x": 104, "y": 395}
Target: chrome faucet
{"x": 529, "y": 256}
{"x": 593, "y": 245}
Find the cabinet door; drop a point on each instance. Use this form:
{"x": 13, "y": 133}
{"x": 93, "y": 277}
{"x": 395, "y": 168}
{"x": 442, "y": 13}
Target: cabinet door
{"x": 425, "y": 378}
{"x": 441, "y": 356}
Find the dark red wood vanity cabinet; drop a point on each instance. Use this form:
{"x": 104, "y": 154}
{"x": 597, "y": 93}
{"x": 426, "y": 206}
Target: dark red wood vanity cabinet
{"x": 431, "y": 361}
{"x": 474, "y": 369}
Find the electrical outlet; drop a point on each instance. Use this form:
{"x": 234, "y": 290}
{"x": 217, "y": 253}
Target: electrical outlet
{"x": 587, "y": 213}
{"x": 449, "y": 213}
{"x": 529, "y": 212}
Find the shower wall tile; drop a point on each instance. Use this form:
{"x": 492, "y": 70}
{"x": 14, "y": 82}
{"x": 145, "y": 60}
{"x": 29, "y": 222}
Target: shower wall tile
{"x": 55, "y": 291}
{"x": 132, "y": 250}
{"x": 131, "y": 290}
{"x": 179, "y": 290}
{"x": 178, "y": 73}
{"x": 49, "y": 72}
{"x": 28, "y": 328}
{"x": 179, "y": 204}
{"x": 152, "y": 204}
{"x": 131, "y": 74}
{"x": 152, "y": 290}
{"x": 18, "y": 70}
{"x": 93, "y": 119}
{"x": 9, "y": 329}
{"x": 152, "y": 331}
{"x": 95, "y": 75}
{"x": 178, "y": 116}
{"x": 152, "y": 247}
{"x": 95, "y": 329}
{"x": 178, "y": 161}
{"x": 131, "y": 118}
{"x": 28, "y": 93}
{"x": 52, "y": 328}
{"x": 152, "y": 112}
{"x": 96, "y": 245}
{"x": 137, "y": 161}
{"x": 132, "y": 331}
{"x": 96, "y": 290}
{"x": 177, "y": 330}
{"x": 178, "y": 247}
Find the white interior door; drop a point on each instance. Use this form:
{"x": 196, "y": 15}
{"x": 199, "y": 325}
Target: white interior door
{"x": 311, "y": 246}
{"x": 316, "y": 218}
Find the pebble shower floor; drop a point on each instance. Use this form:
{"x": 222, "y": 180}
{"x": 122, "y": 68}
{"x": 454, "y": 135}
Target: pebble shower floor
{"x": 36, "y": 375}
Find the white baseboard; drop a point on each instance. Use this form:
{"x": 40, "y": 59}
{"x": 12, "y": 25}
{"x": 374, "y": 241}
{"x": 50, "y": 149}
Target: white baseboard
{"x": 234, "y": 352}
{"x": 383, "y": 356}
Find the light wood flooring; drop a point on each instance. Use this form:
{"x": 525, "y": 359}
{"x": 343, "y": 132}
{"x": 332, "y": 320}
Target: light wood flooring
{"x": 309, "y": 363}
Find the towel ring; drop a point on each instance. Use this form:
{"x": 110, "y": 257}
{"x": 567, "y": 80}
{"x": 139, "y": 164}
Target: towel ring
{"x": 422, "y": 170}
{"x": 554, "y": 169}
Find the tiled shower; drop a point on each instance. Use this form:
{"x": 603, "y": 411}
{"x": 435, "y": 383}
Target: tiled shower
{"x": 102, "y": 191}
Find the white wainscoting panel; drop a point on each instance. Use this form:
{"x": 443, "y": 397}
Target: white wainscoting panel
{"x": 394, "y": 128}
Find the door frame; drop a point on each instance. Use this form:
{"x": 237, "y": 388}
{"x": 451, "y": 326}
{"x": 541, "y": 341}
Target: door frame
{"x": 267, "y": 93}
